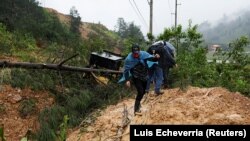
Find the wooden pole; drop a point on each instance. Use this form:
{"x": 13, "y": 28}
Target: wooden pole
{"x": 28, "y": 65}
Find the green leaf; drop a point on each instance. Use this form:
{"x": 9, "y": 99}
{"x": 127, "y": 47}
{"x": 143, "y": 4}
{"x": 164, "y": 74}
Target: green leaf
{"x": 2, "y": 134}
{"x": 24, "y": 139}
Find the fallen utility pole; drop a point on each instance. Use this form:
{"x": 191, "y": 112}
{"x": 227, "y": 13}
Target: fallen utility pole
{"x": 58, "y": 67}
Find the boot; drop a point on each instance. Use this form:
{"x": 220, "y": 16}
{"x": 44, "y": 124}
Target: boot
{"x": 159, "y": 93}
{"x": 137, "y": 106}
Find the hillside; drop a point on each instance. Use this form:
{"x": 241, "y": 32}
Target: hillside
{"x": 85, "y": 28}
{"x": 89, "y": 31}
{"x": 17, "y": 125}
{"x": 227, "y": 29}
{"x": 195, "y": 106}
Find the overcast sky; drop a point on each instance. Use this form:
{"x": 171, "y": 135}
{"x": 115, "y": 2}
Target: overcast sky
{"x": 108, "y": 11}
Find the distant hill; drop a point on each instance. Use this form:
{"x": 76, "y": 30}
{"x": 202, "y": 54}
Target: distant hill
{"x": 227, "y": 30}
{"x": 89, "y": 30}
{"x": 44, "y": 30}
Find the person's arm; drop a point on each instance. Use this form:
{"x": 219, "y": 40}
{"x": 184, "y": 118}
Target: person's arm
{"x": 155, "y": 56}
{"x": 126, "y": 72}
{"x": 128, "y": 83}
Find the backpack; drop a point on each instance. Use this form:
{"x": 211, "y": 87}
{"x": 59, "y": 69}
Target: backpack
{"x": 167, "y": 56}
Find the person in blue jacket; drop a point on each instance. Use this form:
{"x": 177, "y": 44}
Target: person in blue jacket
{"x": 136, "y": 69}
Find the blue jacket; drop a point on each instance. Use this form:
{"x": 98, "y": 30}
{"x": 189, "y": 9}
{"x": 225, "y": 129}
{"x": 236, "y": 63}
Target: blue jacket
{"x": 131, "y": 62}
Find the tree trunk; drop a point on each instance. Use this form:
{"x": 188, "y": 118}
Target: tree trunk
{"x": 60, "y": 67}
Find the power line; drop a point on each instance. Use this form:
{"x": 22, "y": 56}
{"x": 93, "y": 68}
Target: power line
{"x": 134, "y": 10}
{"x": 140, "y": 13}
{"x": 137, "y": 13}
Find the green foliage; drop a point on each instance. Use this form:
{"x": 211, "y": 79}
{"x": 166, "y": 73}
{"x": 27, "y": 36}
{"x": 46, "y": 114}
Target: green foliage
{"x": 35, "y": 79}
{"x": 78, "y": 106}
{"x": 50, "y": 119}
{"x": 74, "y": 94}
{"x": 23, "y": 42}
{"x": 46, "y": 133}
{"x": 24, "y": 139}
{"x": 63, "y": 129}
{"x": 194, "y": 38}
{"x": 193, "y": 68}
{"x": 236, "y": 49}
{"x": 32, "y": 26}
{"x": 235, "y": 76}
{"x": 97, "y": 43}
{"x": 2, "y": 133}
{"x": 191, "y": 57}
{"x": 122, "y": 28}
{"x": 27, "y": 31}
{"x": 100, "y": 38}
{"x": 75, "y": 21}
{"x": 27, "y": 107}
{"x": 77, "y": 102}
{"x": 151, "y": 38}
{"x": 5, "y": 40}
{"x": 16, "y": 44}
{"x": 130, "y": 33}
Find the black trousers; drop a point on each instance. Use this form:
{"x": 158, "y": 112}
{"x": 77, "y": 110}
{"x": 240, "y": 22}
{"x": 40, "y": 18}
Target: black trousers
{"x": 166, "y": 80}
{"x": 140, "y": 86}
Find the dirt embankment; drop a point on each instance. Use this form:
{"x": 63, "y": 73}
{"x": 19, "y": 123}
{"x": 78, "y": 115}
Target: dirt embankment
{"x": 15, "y": 125}
{"x": 194, "y": 106}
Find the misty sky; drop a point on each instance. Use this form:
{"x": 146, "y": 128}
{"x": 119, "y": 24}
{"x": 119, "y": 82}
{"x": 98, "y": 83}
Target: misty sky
{"x": 108, "y": 11}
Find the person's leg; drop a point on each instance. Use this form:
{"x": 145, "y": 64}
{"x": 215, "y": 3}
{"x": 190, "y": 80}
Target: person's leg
{"x": 159, "y": 79}
{"x": 150, "y": 79}
{"x": 140, "y": 87}
{"x": 166, "y": 78}
{"x": 164, "y": 75}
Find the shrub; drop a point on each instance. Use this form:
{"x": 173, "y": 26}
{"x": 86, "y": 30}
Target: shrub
{"x": 27, "y": 107}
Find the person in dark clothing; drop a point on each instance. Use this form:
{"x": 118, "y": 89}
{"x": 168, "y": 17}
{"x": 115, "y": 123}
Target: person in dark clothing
{"x": 156, "y": 72}
{"x": 160, "y": 73}
{"x": 170, "y": 63}
{"x": 136, "y": 69}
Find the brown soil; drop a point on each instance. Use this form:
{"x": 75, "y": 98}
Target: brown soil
{"x": 194, "y": 106}
{"x": 16, "y": 126}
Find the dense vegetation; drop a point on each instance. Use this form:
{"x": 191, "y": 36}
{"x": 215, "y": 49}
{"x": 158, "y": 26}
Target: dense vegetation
{"x": 194, "y": 69}
{"x": 31, "y": 33}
